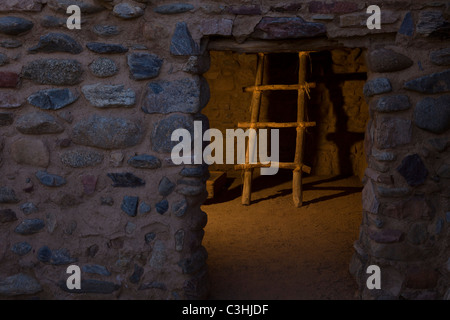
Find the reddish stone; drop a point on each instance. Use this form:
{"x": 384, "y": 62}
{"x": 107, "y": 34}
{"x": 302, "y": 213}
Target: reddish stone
{"x": 335, "y": 7}
{"x": 8, "y": 79}
{"x": 9, "y": 100}
{"x": 385, "y": 236}
{"x": 252, "y": 10}
{"x": 89, "y": 183}
{"x": 421, "y": 278}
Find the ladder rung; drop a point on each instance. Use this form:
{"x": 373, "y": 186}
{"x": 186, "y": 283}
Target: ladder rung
{"x": 282, "y": 165}
{"x": 260, "y": 125}
{"x": 267, "y": 87}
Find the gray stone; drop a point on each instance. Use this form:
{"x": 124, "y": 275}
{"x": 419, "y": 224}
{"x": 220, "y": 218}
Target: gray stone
{"x": 441, "y": 57}
{"x": 29, "y": 208}
{"x": 62, "y": 257}
{"x": 377, "y": 86}
{"x": 180, "y": 208}
{"x": 173, "y": 8}
{"x": 106, "y": 30}
{"x": 44, "y": 254}
{"x": 393, "y": 103}
{"x": 57, "y": 42}
{"x": 433, "y": 83}
{"x": 386, "y": 60}
{"x": 30, "y": 226}
{"x": 165, "y": 187}
{"x": 418, "y": 233}
{"x": 81, "y": 158}
{"x": 162, "y": 133}
{"x": 96, "y": 269}
{"x": 9, "y": 101}
{"x": 276, "y": 28}
{"x": 392, "y": 132}
{"x": 38, "y": 123}
{"x": 53, "y": 22}
{"x": 407, "y": 27}
{"x": 191, "y": 190}
{"x": 86, "y": 7}
{"x": 144, "y": 208}
{"x": 433, "y": 114}
{"x": 21, "y": 248}
{"x": 162, "y": 206}
{"x": 30, "y": 151}
{"x": 3, "y": 59}
{"x": 127, "y": 11}
{"x": 103, "y": 67}
{"x": 10, "y": 44}
{"x": 52, "y": 99}
{"x": 413, "y": 170}
{"x": 60, "y": 72}
{"x": 14, "y": 25}
{"x": 50, "y": 180}
{"x": 19, "y": 284}
{"x": 103, "y": 48}
{"x": 383, "y": 155}
{"x": 144, "y": 65}
{"x": 195, "y": 262}
{"x": 159, "y": 255}
{"x": 108, "y": 96}
{"x": 182, "y": 43}
{"x": 179, "y": 240}
{"x": 106, "y": 132}
{"x": 130, "y": 205}
{"x": 189, "y": 95}
{"x": 431, "y": 23}
{"x": 125, "y": 179}
{"x": 6, "y": 119}
{"x": 7, "y": 215}
{"x": 137, "y": 274}
{"x": 7, "y": 195}
{"x": 444, "y": 171}
{"x": 144, "y": 161}
{"x": 91, "y": 286}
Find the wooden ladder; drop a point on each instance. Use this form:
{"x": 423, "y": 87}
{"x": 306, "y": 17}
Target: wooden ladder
{"x": 297, "y": 166}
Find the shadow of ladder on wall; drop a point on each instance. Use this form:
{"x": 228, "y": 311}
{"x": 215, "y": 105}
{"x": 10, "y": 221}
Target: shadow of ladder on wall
{"x": 297, "y": 166}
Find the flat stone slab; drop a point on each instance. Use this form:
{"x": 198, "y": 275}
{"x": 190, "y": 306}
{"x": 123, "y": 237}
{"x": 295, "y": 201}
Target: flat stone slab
{"x": 107, "y": 96}
{"x": 434, "y": 83}
{"x": 127, "y": 11}
{"x": 14, "y": 25}
{"x": 441, "y": 57}
{"x": 270, "y": 28}
{"x": 162, "y": 133}
{"x": 19, "y": 284}
{"x": 52, "y": 99}
{"x": 125, "y": 180}
{"x": 60, "y": 72}
{"x": 30, "y": 226}
{"x": 392, "y": 103}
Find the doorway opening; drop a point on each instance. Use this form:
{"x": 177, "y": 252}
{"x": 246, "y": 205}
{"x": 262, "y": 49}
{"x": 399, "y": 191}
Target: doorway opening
{"x": 270, "y": 249}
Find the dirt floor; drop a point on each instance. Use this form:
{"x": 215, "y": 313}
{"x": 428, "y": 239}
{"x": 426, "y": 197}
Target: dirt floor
{"x": 271, "y": 250}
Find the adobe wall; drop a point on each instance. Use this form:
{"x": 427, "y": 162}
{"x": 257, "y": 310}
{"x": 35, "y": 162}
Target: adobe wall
{"x": 86, "y": 176}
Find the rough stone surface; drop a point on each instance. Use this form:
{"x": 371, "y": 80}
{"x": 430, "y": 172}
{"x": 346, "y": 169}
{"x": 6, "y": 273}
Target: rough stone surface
{"x": 62, "y": 257}
{"x": 50, "y": 180}
{"x": 28, "y": 208}
{"x": 106, "y": 48}
{"x": 433, "y": 114}
{"x": 377, "y": 86}
{"x": 173, "y": 8}
{"x": 144, "y": 161}
{"x": 9, "y": 79}
{"x": 7, "y": 195}
{"x": 392, "y": 132}
{"x": 162, "y": 133}
{"x": 189, "y": 95}
{"x": 108, "y": 96}
{"x": 52, "y": 99}
{"x": 217, "y": 27}
{"x": 38, "y": 123}
{"x": 33, "y": 152}
{"x": 162, "y": 206}
{"x": 197, "y": 64}
{"x": 44, "y": 254}
{"x": 57, "y": 42}
{"x": 106, "y": 132}
{"x": 125, "y": 180}
{"x": 127, "y": 11}
{"x": 10, "y": 43}
{"x": 30, "y": 226}
{"x": 21, "y": 248}
{"x": 333, "y": 7}
{"x": 81, "y": 158}
{"x": 433, "y": 83}
{"x": 392, "y": 103}
{"x": 19, "y": 284}
{"x": 444, "y": 171}
{"x": 288, "y": 28}
{"x": 130, "y": 205}
{"x": 413, "y": 170}
{"x": 59, "y": 72}
{"x": 8, "y": 100}
{"x": 103, "y": 67}
{"x": 165, "y": 187}
{"x": 14, "y": 25}
{"x": 89, "y": 182}
{"x": 386, "y": 60}
{"x": 144, "y": 65}
{"x": 7, "y": 215}
{"x": 182, "y": 42}
{"x": 137, "y": 274}
{"x": 441, "y": 57}
{"x": 369, "y": 199}
{"x": 106, "y": 30}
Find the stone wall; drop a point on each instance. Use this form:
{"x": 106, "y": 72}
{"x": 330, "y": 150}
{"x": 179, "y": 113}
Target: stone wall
{"x": 86, "y": 117}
